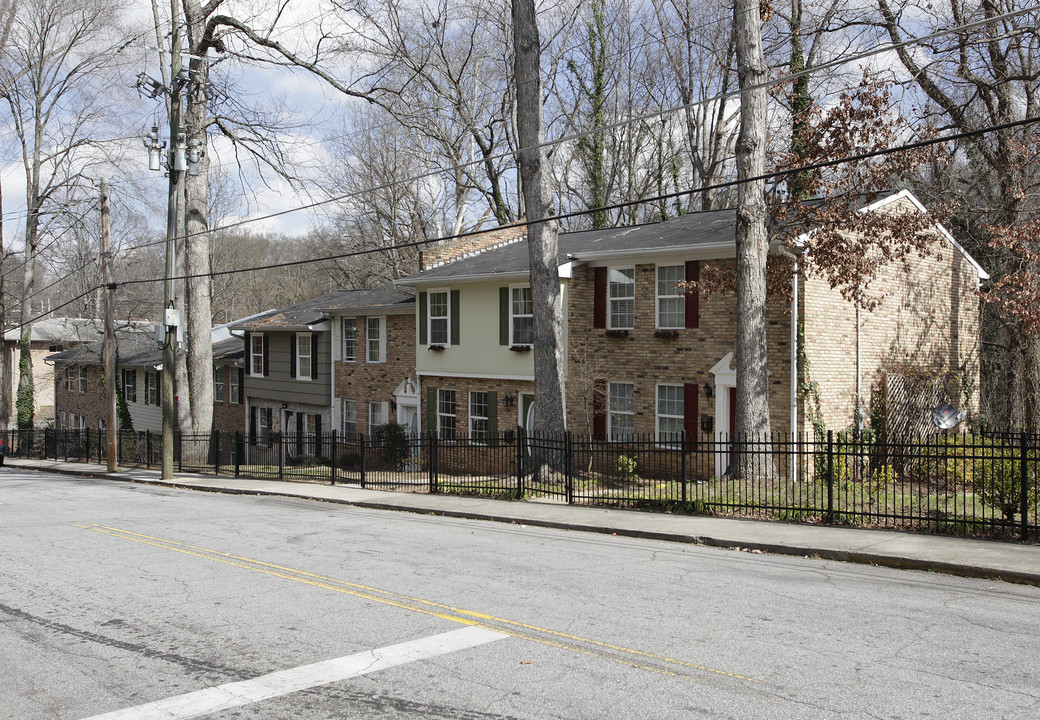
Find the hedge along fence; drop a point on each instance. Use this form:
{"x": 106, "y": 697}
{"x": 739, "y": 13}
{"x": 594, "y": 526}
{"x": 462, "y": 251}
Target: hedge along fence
{"x": 967, "y": 484}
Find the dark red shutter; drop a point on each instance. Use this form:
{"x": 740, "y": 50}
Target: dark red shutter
{"x": 599, "y": 298}
{"x": 693, "y": 296}
{"x": 599, "y": 411}
{"x": 690, "y": 412}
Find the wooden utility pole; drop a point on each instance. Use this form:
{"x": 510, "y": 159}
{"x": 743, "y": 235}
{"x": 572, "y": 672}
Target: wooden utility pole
{"x": 169, "y": 319}
{"x": 112, "y": 422}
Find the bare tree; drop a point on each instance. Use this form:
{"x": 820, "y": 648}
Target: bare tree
{"x": 53, "y": 62}
{"x": 542, "y": 239}
{"x": 752, "y": 411}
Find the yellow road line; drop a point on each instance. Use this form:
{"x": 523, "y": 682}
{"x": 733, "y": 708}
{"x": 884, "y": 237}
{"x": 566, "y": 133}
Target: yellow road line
{"x": 419, "y": 605}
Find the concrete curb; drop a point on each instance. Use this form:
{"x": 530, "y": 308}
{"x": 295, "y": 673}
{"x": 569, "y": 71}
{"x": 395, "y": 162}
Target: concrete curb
{"x": 881, "y": 559}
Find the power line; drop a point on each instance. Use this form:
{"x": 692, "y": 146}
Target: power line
{"x": 616, "y": 206}
{"x": 612, "y": 126}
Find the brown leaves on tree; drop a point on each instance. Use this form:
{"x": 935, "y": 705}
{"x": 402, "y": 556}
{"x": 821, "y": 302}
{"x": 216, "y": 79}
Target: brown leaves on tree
{"x": 1017, "y": 293}
{"x": 840, "y": 242}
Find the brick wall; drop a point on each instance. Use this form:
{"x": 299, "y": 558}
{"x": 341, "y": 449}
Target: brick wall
{"x": 228, "y": 416}
{"x": 365, "y": 382}
{"x": 929, "y": 318}
{"x": 452, "y": 249}
{"x": 645, "y": 360}
{"x": 90, "y": 403}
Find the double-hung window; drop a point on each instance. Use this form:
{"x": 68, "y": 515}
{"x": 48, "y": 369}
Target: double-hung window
{"x": 670, "y": 413}
{"x": 151, "y": 389}
{"x": 82, "y": 379}
{"x": 303, "y": 356}
{"x": 671, "y": 300}
{"x": 374, "y": 350}
{"x": 439, "y": 317}
{"x": 378, "y": 415}
{"x": 256, "y": 355}
{"x": 622, "y": 297}
{"x": 446, "y": 414}
{"x": 70, "y": 380}
{"x": 621, "y": 404}
{"x": 521, "y": 316}
{"x": 130, "y": 385}
{"x": 349, "y": 327}
{"x": 234, "y": 389}
{"x": 478, "y": 416}
{"x": 218, "y": 383}
{"x": 349, "y": 416}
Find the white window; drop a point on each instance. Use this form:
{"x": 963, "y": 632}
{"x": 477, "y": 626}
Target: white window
{"x": 521, "y": 316}
{"x": 256, "y": 354}
{"x": 621, "y": 407}
{"x": 446, "y": 414}
{"x": 349, "y": 418}
{"x": 263, "y": 422}
{"x": 349, "y": 326}
{"x": 303, "y": 356}
{"x": 310, "y": 433}
{"x": 234, "y": 391}
{"x": 130, "y": 386}
{"x": 377, "y": 415}
{"x": 70, "y": 380}
{"x": 64, "y": 421}
{"x": 83, "y": 380}
{"x": 670, "y": 413}
{"x": 151, "y": 388}
{"x": 671, "y": 300}
{"x": 439, "y": 314}
{"x": 622, "y": 297}
{"x": 374, "y": 345}
{"x": 478, "y": 416}
{"x": 218, "y": 383}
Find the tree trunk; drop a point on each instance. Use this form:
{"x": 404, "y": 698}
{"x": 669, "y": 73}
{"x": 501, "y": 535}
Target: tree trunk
{"x": 198, "y": 324}
{"x": 752, "y": 411}
{"x": 542, "y": 235}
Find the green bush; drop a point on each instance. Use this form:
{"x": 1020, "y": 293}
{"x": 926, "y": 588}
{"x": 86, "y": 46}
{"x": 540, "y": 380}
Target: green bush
{"x": 997, "y": 479}
{"x": 393, "y": 440}
{"x": 626, "y": 466}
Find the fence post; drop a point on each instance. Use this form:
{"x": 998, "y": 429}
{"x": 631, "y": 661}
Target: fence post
{"x": 178, "y": 443}
{"x": 519, "y": 462}
{"x": 239, "y": 450}
{"x": 682, "y": 465}
{"x": 568, "y": 465}
{"x": 361, "y": 444}
{"x": 148, "y": 449}
{"x": 830, "y": 476}
{"x": 332, "y": 459}
{"x": 1024, "y": 477}
{"x": 216, "y": 452}
{"x": 434, "y": 459}
{"x": 281, "y": 456}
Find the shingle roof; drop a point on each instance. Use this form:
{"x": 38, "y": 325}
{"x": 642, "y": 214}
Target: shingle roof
{"x": 134, "y": 349}
{"x": 313, "y": 311}
{"x": 706, "y": 230}
{"x": 70, "y": 330}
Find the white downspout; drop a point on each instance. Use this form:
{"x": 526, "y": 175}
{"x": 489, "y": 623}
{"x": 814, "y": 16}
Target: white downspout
{"x": 794, "y": 371}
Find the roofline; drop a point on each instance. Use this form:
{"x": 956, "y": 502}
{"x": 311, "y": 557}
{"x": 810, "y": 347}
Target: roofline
{"x": 700, "y": 248}
{"x": 402, "y": 308}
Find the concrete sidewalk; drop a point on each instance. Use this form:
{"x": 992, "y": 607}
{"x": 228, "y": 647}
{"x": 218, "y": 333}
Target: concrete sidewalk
{"x": 956, "y": 556}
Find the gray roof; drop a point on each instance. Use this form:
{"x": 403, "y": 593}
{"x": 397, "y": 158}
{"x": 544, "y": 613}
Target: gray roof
{"x": 71, "y": 330}
{"x": 134, "y": 349}
{"x": 311, "y": 312}
{"x": 232, "y": 348}
{"x": 713, "y": 230}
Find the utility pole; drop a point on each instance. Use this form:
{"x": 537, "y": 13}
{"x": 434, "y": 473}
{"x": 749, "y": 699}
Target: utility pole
{"x": 112, "y": 423}
{"x": 171, "y": 320}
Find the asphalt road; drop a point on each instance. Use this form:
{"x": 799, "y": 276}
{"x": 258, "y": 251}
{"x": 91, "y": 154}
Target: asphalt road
{"x": 132, "y": 601}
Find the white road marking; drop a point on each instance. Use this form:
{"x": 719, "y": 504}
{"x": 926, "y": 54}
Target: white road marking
{"x": 283, "y": 682}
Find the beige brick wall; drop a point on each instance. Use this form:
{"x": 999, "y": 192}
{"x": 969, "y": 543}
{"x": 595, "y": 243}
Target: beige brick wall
{"x": 508, "y": 417}
{"x": 929, "y": 318}
{"x": 228, "y": 416}
{"x": 365, "y": 382}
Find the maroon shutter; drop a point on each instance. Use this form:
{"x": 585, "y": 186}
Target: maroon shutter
{"x": 599, "y": 298}
{"x": 693, "y": 296}
{"x": 599, "y": 410}
{"x": 690, "y": 419}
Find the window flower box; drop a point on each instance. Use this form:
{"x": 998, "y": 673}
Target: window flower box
{"x": 520, "y": 348}
{"x": 617, "y": 333}
{"x": 666, "y": 333}
{"x": 435, "y": 348}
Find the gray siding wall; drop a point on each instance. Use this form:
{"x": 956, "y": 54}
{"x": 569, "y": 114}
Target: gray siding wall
{"x": 278, "y": 386}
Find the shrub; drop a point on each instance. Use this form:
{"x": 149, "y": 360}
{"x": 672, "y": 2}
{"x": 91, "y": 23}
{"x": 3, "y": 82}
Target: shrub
{"x": 393, "y": 440}
{"x": 626, "y": 466}
{"x": 996, "y": 479}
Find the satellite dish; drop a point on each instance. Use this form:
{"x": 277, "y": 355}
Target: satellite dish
{"x": 946, "y": 417}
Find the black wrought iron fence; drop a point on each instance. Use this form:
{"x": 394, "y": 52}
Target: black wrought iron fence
{"x": 966, "y": 484}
